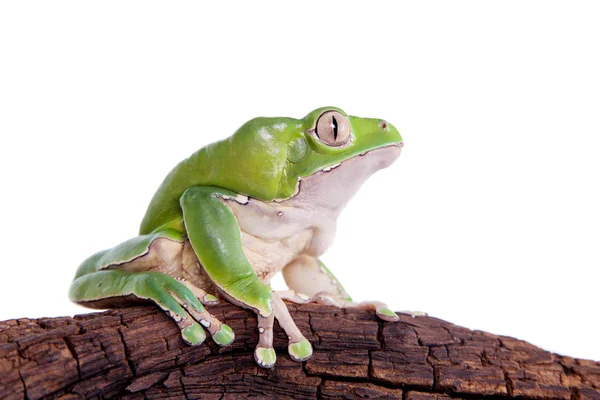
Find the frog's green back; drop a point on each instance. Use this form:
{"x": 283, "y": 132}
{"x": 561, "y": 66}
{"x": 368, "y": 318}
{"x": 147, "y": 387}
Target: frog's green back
{"x": 250, "y": 162}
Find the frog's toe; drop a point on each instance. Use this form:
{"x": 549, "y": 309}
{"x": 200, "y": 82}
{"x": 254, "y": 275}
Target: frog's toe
{"x": 224, "y": 336}
{"x": 382, "y": 311}
{"x": 175, "y": 299}
{"x": 386, "y": 314}
{"x": 293, "y": 296}
{"x": 205, "y": 298}
{"x": 414, "y": 313}
{"x": 221, "y": 333}
{"x": 209, "y": 299}
{"x": 300, "y": 351}
{"x": 193, "y": 334}
{"x": 265, "y": 356}
{"x": 325, "y": 299}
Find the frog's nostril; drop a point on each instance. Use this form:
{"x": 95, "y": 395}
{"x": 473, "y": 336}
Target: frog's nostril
{"x": 383, "y": 124}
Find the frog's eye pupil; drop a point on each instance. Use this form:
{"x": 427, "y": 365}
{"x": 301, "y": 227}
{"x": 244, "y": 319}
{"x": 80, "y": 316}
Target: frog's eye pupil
{"x": 333, "y": 128}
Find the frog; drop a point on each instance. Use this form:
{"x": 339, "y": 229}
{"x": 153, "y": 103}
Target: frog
{"x": 237, "y": 212}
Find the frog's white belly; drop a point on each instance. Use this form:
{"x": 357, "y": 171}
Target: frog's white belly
{"x": 274, "y": 234}
{"x": 269, "y": 257}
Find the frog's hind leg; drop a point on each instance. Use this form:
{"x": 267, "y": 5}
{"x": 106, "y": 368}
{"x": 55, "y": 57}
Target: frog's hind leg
{"x": 142, "y": 269}
{"x": 109, "y": 287}
{"x": 293, "y": 296}
{"x": 309, "y": 275}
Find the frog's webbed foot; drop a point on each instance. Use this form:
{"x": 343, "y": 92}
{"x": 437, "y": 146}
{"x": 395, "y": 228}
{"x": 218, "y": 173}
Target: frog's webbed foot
{"x": 309, "y": 275}
{"x": 293, "y": 296}
{"x": 413, "y": 313}
{"x": 299, "y": 348}
{"x": 184, "y": 307}
{"x": 327, "y": 299}
{"x": 381, "y": 309}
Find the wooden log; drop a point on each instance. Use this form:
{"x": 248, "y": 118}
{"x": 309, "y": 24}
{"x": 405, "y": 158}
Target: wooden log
{"x": 137, "y": 353}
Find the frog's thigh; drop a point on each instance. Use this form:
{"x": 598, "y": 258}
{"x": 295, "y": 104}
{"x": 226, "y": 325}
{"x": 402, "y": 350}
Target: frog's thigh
{"x": 159, "y": 251}
{"x": 307, "y": 275}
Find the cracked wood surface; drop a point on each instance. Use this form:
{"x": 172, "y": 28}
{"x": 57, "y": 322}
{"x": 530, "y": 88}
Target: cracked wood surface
{"x": 137, "y": 353}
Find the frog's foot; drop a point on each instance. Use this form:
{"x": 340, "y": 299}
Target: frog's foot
{"x": 205, "y": 298}
{"x": 413, "y": 313}
{"x": 381, "y": 310}
{"x": 299, "y": 348}
{"x": 293, "y": 296}
{"x": 326, "y": 299}
{"x": 183, "y": 306}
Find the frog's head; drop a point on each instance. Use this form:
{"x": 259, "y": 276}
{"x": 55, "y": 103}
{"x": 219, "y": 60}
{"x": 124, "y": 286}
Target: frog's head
{"x": 274, "y": 155}
{"x": 329, "y": 137}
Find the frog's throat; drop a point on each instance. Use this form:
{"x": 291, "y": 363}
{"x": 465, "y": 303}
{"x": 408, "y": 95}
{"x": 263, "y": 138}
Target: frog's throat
{"x": 350, "y": 173}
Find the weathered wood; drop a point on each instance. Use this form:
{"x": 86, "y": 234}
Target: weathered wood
{"x": 137, "y": 353}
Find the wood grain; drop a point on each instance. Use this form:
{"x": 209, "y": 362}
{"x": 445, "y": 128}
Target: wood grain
{"x": 137, "y": 353}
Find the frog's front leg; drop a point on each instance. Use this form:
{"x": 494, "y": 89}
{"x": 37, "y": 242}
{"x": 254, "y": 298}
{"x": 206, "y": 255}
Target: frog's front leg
{"x": 215, "y": 236}
{"x": 299, "y": 347}
{"x": 308, "y": 275}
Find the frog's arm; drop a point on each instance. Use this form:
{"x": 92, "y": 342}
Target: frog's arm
{"x": 308, "y": 275}
{"x": 215, "y": 236}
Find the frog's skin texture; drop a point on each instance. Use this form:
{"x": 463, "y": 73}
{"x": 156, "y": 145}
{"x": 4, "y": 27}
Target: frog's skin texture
{"x": 235, "y": 213}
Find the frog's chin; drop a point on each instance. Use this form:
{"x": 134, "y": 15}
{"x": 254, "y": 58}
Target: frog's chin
{"x": 333, "y": 186}
{"x": 379, "y": 158}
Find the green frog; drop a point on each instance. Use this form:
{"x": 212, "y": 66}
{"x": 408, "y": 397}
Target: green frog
{"x": 232, "y": 215}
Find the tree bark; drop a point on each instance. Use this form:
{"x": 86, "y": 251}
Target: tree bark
{"x": 137, "y": 353}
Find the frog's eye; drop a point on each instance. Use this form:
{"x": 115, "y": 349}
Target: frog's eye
{"x": 333, "y": 128}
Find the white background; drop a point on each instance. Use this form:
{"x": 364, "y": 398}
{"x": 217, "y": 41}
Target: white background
{"x": 490, "y": 218}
